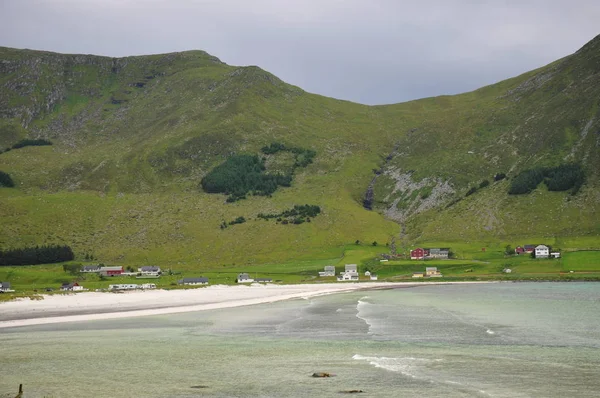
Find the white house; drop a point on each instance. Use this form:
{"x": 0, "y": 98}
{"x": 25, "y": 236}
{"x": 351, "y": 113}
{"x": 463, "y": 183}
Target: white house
{"x": 5, "y": 287}
{"x": 193, "y": 281}
{"x": 329, "y": 271}
{"x": 373, "y": 277}
{"x": 555, "y": 254}
{"x": 263, "y": 280}
{"x": 345, "y": 276}
{"x": 367, "y": 273}
{"x": 91, "y": 269}
{"x": 149, "y": 270}
{"x": 244, "y": 278}
{"x": 72, "y": 287}
{"x": 542, "y": 251}
{"x": 351, "y": 269}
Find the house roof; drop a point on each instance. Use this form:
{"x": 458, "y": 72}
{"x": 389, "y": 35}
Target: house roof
{"x": 90, "y": 267}
{"x": 5, "y": 284}
{"x": 243, "y": 276}
{"x": 541, "y": 247}
{"x": 430, "y": 268}
{"x": 193, "y": 280}
{"x": 529, "y": 246}
{"x": 329, "y": 268}
{"x": 263, "y": 279}
{"x": 152, "y": 268}
{"x": 111, "y": 268}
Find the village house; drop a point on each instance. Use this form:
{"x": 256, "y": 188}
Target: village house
{"x": 244, "y": 278}
{"x": 90, "y": 268}
{"x": 5, "y": 287}
{"x": 519, "y": 250}
{"x": 329, "y": 271}
{"x": 542, "y": 251}
{"x": 193, "y": 281}
{"x": 373, "y": 277}
{"x": 418, "y": 275}
{"x": 417, "y": 254}
{"x": 111, "y": 271}
{"x": 151, "y": 270}
{"x": 555, "y": 254}
{"x": 123, "y": 286}
{"x": 432, "y": 272}
{"x": 442, "y": 253}
{"x": 350, "y": 273}
{"x": 529, "y": 248}
{"x": 71, "y": 287}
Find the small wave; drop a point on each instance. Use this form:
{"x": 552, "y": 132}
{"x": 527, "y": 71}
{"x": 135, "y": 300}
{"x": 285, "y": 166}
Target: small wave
{"x": 490, "y": 331}
{"x": 403, "y": 365}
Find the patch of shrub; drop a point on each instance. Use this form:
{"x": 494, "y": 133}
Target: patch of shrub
{"x": 296, "y": 215}
{"x": 499, "y": 176}
{"x": 471, "y": 191}
{"x": 484, "y": 184}
{"x": 28, "y": 142}
{"x": 5, "y": 180}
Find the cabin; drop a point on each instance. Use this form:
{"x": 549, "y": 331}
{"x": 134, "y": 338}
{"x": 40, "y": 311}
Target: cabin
{"x": 151, "y": 270}
{"x": 417, "y": 254}
{"x": 5, "y": 287}
{"x": 263, "y": 280}
{"x": 373, "y": 277}
{"x": 351, "y": 269}
{"x": 542, "y": 251}
{"x": 519, "y": 250}
{"x": 555, "y": 255}
{"x": 71, "y": 287}
{"x": 367, "y": 273}
{"x": 244, "y": 278}
{"x": 123, "y": 286}
{"x": 111, "y": 271}
{"x": 90, "y": 269}
{"x": 507, "y": 270}
{"x": 432, "y": 272}
{"x": 418, "y": 275}
{"x": 345, "y": 276}
{"x": 529, "y": 248}
{"x": 193, "y": 281}
{"x": 329, "y": 271}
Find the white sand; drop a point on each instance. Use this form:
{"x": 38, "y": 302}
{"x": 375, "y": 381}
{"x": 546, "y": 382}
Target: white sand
{"x": 86, "y": 306}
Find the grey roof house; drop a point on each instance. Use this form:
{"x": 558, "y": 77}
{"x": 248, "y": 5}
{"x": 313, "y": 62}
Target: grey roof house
{"x": 193, "y": 281}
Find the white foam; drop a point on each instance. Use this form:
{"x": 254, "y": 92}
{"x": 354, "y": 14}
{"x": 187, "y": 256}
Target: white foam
{"x": 403, "y": 365}
{"x": 490, "y": 331}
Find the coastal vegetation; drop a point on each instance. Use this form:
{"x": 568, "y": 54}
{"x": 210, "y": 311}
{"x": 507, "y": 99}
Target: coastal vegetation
{"x": 5, "y": 180}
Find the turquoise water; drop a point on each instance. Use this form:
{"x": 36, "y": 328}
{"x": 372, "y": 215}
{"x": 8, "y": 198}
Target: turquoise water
{"x": 493, "y": 340}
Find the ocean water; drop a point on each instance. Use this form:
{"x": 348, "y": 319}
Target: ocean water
{"x": 491, "y": 340}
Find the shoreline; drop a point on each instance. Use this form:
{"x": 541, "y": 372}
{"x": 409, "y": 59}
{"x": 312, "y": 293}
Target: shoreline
{"x": 89, "y": 306}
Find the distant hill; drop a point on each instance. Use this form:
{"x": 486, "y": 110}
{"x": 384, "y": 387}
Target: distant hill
{"x": 133, "y": 137}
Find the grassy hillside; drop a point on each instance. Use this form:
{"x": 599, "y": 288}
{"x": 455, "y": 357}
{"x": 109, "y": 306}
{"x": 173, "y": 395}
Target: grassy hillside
{"x": 133, "y": 137}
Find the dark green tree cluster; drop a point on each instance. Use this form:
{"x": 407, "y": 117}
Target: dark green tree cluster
{"x": 29, "y": 142}
{"x": 499, "y": 176}
{"x": 296, "y": 215}
{"x": 526, "y": 181}
{"x": 36, "y": 255}
{"x": 560, "y": 178}
{"x": 5, "y": 180}
{"x": 240, "y": 175}
{"x": 565, "y": 177}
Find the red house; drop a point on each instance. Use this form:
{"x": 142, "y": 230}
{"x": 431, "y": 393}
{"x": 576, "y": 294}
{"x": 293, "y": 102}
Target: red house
{"x": 111, "y": 271}
{"x": 519, "y": 250}
{"x": 417, "y": 254}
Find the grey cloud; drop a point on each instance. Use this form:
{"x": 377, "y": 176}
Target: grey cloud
{"x": 369, "y": 51}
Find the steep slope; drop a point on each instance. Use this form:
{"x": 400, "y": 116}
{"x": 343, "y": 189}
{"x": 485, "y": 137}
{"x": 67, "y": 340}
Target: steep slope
{"x": 132, "y": 138}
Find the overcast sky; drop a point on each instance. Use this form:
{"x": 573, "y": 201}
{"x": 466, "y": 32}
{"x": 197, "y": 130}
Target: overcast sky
{"x": 368, "y": 51}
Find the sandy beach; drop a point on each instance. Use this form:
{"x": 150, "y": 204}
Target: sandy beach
{"x": 86, "y": 306}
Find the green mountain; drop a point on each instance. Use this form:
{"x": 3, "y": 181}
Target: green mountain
{"x": 132, "y": 138}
